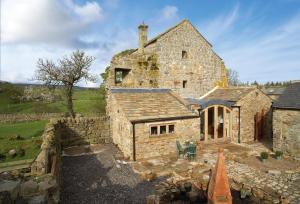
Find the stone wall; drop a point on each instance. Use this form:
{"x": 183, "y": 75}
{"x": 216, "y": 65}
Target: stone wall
{"x": 286, "y": 131}
{"x": 16, "y": 117}
{"x": 85, "y": 130}
{"x": 254, "y": 102}
{"x": 120, "y": 128}
{"x": 150, "y": 146}
{"x": 161, "y": 65}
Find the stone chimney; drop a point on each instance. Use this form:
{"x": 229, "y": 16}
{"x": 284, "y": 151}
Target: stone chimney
{"x": 143, "y": 33}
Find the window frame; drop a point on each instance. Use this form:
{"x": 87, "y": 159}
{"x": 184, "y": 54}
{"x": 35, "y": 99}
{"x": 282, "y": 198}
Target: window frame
{"x": 158, "y": 128}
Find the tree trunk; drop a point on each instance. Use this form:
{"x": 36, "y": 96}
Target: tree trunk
{"x": 69, "y": 94}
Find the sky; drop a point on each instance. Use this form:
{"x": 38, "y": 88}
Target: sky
{"x": 260, "y": 39}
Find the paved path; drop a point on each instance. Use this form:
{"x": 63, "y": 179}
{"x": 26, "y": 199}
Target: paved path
{"x": 98, "y": 178}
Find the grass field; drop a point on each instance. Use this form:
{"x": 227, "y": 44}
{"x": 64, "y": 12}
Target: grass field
{"x": 31, "y": 139}
{"x": 85, "y": 101}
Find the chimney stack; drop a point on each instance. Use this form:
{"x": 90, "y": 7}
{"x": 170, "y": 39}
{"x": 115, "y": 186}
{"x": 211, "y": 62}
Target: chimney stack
{"x": 143, "y": 33}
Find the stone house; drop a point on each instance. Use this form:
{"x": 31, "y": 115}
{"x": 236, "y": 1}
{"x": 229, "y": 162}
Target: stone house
{"x": 170, "y": 89}
{"x": 147, "y": 122}
{"x": 286, "y": 121}
{"x": 236, "y": 114}
{"x": 180, "y": 59}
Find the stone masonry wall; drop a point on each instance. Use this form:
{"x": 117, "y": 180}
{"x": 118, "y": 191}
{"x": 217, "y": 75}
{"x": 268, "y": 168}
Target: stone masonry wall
{"x": 85, "y": 130}
{"x": 120, "y": 127}
{"x": 5, "y": 118}
{"x": 252, "y": 103}
{"x": 286, "y": 131}
{"x": 150, "y": 146}
{"x": 162, "y": 66}
{"x": 201, "y": 69}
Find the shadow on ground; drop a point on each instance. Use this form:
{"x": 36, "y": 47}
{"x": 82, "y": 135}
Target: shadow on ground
{"x": 95, "y": 178}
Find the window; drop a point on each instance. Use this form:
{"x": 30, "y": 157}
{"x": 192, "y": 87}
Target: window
{"x": 184, "y": 83}
{"x": 154, "y": 130}
{"x": 163, "y": 129}
{"x": 120, "y": 74}
{"x": 157, "y": 130}
{"x": 184, "y": 54}
{"x": 171, "y": 129}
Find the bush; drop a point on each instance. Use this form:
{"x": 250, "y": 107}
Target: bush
{"x": 264, "y": 155}
{"x": 2, "y": 156}
{"x": 278, "y": 153}
{"x": 20, "y": 152}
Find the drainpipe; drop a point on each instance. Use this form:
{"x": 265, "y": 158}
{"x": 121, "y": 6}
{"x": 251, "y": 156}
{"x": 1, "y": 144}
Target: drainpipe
{"x": 133, "y": 141}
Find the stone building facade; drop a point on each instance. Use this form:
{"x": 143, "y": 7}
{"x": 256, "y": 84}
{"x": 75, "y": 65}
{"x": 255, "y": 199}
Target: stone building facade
{"x": 148, "y": 122}
{"x": 230, "y": 114}
{"x": 286, "y": 117}
{"x": 180, "y": 59}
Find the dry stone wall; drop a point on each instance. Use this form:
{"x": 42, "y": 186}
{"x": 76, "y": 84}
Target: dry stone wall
{"x": 85, "y": 130}
{"x": 6, "y": 118}
{"x": 286, "y": 131}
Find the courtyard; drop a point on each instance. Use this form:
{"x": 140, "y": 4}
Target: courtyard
{"x": 100, "y": 173}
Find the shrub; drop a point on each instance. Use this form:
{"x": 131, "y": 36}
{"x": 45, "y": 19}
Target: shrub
{"x": 20, "y": 151}
{"x": 278, "y": 153}
{"x": 264, "y": 155}
{"x": 2, "y": 156}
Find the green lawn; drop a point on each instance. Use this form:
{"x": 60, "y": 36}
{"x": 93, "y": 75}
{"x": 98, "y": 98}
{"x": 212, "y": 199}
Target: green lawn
{"x": 31, "y": 139}
{"x": 85, "y": 101}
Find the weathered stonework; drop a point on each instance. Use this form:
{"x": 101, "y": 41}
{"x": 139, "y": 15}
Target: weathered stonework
{"x": 254, "y": 102}
{"x": 161, "y": 63}
{"x": 286, "y": 131}
{"x": 151, "y": 146}
{"x": 85, "y": 130}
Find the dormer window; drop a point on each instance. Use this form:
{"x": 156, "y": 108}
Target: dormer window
{"x": 184, "y": 54}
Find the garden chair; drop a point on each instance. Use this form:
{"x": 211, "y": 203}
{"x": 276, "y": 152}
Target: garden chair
{"x": 191, "y": 153}
{"x": 180, "y": 150}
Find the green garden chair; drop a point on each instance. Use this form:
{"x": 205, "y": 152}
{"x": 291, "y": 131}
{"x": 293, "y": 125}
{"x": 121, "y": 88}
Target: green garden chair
{"x": 180, "y": 150}
{"x": 191, "y": 152}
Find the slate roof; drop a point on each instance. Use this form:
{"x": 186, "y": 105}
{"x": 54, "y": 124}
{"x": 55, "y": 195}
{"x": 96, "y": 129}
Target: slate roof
{"x": 229, "y": 94}
{"x": 290, "y": 99}
{"x": 274, "y": 90}
{"x": 204, "y": 103}
{"x": 146, "y": 104}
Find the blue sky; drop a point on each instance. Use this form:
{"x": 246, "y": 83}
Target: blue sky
{"x": 260, "y": 39}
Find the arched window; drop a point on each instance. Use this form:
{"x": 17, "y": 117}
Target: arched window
{"x": 215, "y": 123}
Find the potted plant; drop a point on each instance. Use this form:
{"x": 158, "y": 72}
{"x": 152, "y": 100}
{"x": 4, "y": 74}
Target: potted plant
{"x": 264, "y": 156}
{"x": 278, "y": 154}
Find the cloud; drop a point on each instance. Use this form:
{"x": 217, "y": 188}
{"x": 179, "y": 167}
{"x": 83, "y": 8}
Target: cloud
{"x": 58, "y": 22}
{"x": 168, "y": 13}
{"x": 273, "y": 54}
{"x": 221, "y": 24}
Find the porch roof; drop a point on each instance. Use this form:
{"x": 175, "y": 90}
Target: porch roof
{"x": 204, "y": 103}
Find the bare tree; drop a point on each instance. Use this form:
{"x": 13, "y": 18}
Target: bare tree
{"x": 233, "y": 77}
{"x": 67, "y": 72}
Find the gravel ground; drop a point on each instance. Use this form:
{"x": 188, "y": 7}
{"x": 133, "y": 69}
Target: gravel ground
{"x": 95, "y": 178}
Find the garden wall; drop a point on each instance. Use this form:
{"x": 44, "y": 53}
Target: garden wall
{"x": 42, "y": 185}
{"x": 11, "y": 118}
